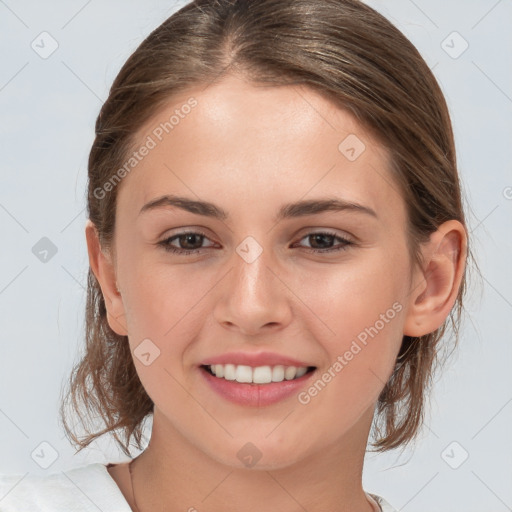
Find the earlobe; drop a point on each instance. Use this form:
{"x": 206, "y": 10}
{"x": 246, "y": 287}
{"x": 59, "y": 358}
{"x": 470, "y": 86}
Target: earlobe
{"x": 437, "y": 284}
{"x": 103, "y": 268}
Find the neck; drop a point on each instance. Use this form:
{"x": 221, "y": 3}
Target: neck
{"x": 174, "y": 475}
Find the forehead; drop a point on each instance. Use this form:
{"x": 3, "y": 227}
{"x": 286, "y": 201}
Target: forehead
{"x": 260, "y": 142}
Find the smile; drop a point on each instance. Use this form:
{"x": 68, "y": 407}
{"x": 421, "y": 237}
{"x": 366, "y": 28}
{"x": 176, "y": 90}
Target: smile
{"x": 256, "y": 386}
{"x": 257, "y": 375}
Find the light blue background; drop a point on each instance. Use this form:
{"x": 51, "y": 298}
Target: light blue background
{"x": 48, "y": 108}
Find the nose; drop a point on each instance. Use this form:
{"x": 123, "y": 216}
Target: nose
{"x": 253, "y": 298}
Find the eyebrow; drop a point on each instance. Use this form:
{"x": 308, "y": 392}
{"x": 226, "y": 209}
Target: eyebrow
{"x": 287, "y": 211}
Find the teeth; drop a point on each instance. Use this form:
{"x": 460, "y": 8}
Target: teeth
{"x": 259, "y": 374}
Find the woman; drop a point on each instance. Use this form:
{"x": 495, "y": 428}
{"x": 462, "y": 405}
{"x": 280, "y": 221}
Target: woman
{"x": 276, "y": 242}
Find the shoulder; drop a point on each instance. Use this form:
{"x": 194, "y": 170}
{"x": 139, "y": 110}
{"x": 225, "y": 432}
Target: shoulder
{"x": 383, "y": 504}
{"x": 81, "y": 489}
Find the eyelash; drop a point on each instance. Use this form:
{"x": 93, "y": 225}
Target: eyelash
{"x": 166, "y": 244}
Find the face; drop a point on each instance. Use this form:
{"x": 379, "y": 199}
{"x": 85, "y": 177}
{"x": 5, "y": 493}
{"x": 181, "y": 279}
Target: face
{"x": 324, "y": 287}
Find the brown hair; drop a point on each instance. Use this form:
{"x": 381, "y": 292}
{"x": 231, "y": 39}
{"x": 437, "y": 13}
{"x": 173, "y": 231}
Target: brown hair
{"x": 341, "y": 48}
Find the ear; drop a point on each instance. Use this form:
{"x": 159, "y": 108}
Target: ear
{"x": 436, "y": 285}
{"x": 104, "y": 270}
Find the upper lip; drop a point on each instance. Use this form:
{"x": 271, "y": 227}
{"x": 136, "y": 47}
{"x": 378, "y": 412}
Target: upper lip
{"x": 254, "y": 359}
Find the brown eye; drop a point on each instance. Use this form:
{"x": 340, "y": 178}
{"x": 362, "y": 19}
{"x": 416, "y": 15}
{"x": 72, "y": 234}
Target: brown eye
{"x": 184, "y": 243}
{"x": 322, "y": 242}
{"x": 190, "y": 240}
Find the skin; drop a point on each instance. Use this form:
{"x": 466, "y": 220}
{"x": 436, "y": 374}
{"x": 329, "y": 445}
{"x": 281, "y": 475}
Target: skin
{"x": 249, "y": 149}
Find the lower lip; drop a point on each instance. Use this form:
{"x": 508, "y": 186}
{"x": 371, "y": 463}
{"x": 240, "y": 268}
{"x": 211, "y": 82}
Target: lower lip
{"x": 256, "y": 395}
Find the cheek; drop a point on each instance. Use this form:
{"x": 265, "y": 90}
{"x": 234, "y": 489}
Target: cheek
{"x": 365, "y": 329}
{"x": 358, "y": 318}
{"x": 160, "y": 295}
{"x": 165, "y": 311}
{"x": 352, "y": 295}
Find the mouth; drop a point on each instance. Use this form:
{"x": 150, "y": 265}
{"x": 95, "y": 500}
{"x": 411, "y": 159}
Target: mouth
{"x": 257, "y": 375}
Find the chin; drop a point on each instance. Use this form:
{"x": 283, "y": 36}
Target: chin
{"x": 260, "y": 454}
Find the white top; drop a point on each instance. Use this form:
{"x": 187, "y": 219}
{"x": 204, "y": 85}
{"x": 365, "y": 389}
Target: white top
{"x": 86, "y": 488}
